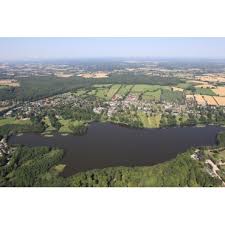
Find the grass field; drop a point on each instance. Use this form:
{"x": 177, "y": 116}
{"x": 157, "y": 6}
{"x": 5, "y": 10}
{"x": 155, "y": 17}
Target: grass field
{"x": 154, "y": 95}
{"x": 12, "y": 120}
{"x": 66, "y": 123}
{"x": 149, "y": 122}
{"x": 124, "y": 90}
{"x": 139, "y": 88}
{"x": 102, "y": 85}
{"x": 107, "y": 91}
{"x": 113, "y": 90}
{"x": 102, "y": 92}
{"x": 80, "y": 92}
{"x": 92, "y": 92}
{"x": 58, "y": 169}
{"x": 204, "y": 91}
{"x": 184, "y": 85}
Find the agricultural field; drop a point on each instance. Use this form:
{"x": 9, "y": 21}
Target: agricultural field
{"x": 140, "y": 88}
{"x": 214, "y": 78}
{"x": 184, "y": 85}
{"x": 205, "y": 86}
{"x": 101, "y": 85}
{"x": 92, "y": 92}
{"x": 125, "y": 90}
{"x": 220, "y": 100}
{"x": 204, "y": 91}
{"x": 144, "y": 87}
{"x": 113, "y": 90}
{"x": 200, "y": 100}
{"x": 102, "y": 92}
{"x": 9, "y": 82}
{"x": 210, "y": 100}
{"x": 219, "y": 91}
{"x": 154, "y": 95}
{"x": 99, "y": 74}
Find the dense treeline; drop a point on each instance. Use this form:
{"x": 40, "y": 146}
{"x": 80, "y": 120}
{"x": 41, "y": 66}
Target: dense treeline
{"x": 34, "y": 167}
{"x": 172, "y": 96}
{"x": 28, "y": 165}
{"x": 32, "y": 88}
{"x": 77, "y": 113}
{"x": 221, "y": 139}
{"x": 10, "y": 129}
{"x": 53, "y": 120}
{"x": 78, "y": 129}
{"x": 180, "y": 172}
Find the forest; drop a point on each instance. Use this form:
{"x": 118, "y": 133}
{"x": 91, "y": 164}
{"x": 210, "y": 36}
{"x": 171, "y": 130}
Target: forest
{"x": 33, "y": 88}
{"x": 39, "y": 166}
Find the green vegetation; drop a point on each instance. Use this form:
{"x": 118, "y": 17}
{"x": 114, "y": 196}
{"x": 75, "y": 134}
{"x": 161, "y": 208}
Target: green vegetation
{"x": 29, "y": 167}
{"x": 172, "y": 96}
{"x": 131, "y": 120}
{"x": 221, "y": 139}
{"x": 125, "y": 90}
{"x": 80, "y": 92}
{"x": 14, "y": 121}
{"x": 180, "y": 172}
{"x": 53, "y": 120}
{"x": 102, "y": 92}
{"x": 168, "y": 121}
{"x": 3, "y": 87}
{"x": 70, "y": 126}
{"x": 113, "y": 90}
{"x": 153, "y": 95}
{"x": 149, "y": 121}
{"x": 39, "y": 166}
{"x": 32, "y": 88}
{"x": 186, "y": 86}
{"x": 49, "y": 128}
{"x": 204, "y": 91}
{"x": 13, "y": 128}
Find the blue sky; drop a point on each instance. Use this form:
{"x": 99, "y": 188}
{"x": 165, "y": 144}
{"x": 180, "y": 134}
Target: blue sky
{"x": 46, "y": 48}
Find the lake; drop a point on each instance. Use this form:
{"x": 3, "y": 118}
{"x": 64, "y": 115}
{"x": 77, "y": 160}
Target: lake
{"x": 107, "y": 145}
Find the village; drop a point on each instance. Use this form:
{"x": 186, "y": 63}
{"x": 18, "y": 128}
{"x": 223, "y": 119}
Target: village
{"x": 110, "y": 106}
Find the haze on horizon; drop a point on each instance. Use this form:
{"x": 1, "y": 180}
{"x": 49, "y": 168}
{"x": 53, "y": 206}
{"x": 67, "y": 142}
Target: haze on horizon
{"x": 87, "y": 47}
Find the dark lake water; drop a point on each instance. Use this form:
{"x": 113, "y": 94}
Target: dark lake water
{"x": 107, "y": 145}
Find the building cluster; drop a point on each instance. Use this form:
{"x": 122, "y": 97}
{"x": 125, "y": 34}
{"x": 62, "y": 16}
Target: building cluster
{"x": 4, "y": 149}
{"x": 26, "y": 109}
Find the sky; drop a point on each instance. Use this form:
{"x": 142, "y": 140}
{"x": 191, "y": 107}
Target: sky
{"x": 58, "y": 48}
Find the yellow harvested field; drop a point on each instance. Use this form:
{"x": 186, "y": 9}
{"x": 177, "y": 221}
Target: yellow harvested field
{"x": 210, "y": 100}
{"x": 177, "y": 89}
{"x": 63, "y": 75}
{"x": 220, "y": 100}
{"x": 98, "y": 74}
{"x": 200, "y": 100}
{"x": 219, "y": 91}
{"x": 212, "y": 78}
{"x": 9, "y": 82}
